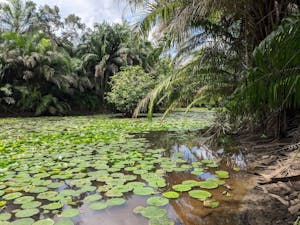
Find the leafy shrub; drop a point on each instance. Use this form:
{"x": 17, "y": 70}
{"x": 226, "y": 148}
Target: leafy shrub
{"x": 129, "y": 86}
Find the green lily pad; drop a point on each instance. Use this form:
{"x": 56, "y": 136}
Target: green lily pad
{"x": 164, "y": 220}
{"x": 171, "y": 194}
{"x": 92, "y": 198}
{"x": 209, "y": 184}
{"x": 222, "y": 174}
{"x": 69, "y": 213}
{"x": 157, "y": 201}
{"x": 37, "y": 190}
{"x": 191, "y": 183}
{"x": 47, "y": 195}
{"x": 31, "y": 205}
{"x": 138, "y": 209}
{"x": 12, "y": 196}
{"x": 181, "y": 187}
{"x": 24, "y": 199}
{"x": 197, "y": 171}
{"x": 153, "y": 212}
{"x": 143, "y": 191}
{"x": 115, "y": 201}
{"x": 53, "y": 206}
{"x": 25, "y": 221}
{"x": 199, "y": 194}
{"x": 5, "y": 216}
{"x": 44, "y": 222}
{"x": 26, "y": 213}
{"x": 98, "y": 206}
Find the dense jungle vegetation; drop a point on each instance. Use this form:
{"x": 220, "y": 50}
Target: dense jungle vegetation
{"x": 242, "y": 57}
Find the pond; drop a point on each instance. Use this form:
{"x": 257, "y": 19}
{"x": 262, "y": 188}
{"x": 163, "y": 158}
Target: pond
{"x": 110, "y": 171}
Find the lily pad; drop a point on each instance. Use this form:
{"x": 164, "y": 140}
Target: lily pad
{"x": 153, "y": 212}
{"x": 171, "y": 194}
{"x": 164, "y": 220}
{"x": 157, "y": 201}
{"x": 209, "y": 184}
{"x": 181, "y": 187}
{"x": 31, "y": 205}
{"x": 69, "y": 213}
{"x": 143, "y": 191}
{"x": 222, "y": 174}
{"x": 53, "y": 206}
{"x": 25, "y": 221}
{"x": 138, "y": 209}
{"x": 98, "y": 206}
{"x": 199, "y": 194}
{"x": 12, "y": 196}
{"x": 26, "y": 213}
{"x": 5, "y": 216}
{"x": 44, "y": 222}
{"x": 24, "y": 199}
{"x": 115, "y": 201}
{"x": 92, "y": 198}
{"x": 37, "y": 190}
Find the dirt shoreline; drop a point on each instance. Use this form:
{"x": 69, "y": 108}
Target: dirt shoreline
{"x": 275, "y": 197}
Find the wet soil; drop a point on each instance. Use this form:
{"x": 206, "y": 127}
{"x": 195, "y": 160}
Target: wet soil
{"x": 275, "y": 198}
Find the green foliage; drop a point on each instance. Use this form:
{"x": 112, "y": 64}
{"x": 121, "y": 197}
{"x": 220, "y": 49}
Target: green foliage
{"x": 129, "y": 87}
{"x": 272, "y": 85}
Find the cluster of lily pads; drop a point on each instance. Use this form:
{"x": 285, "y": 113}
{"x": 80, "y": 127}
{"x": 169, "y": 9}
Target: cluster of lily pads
{"x": 53, "y": 173}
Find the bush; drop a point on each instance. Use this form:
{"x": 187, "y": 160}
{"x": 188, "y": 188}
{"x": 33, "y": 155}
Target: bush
{"x": 128, "y": 87}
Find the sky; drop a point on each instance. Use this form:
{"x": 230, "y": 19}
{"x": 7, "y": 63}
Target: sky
{"x": 92, "y": 11}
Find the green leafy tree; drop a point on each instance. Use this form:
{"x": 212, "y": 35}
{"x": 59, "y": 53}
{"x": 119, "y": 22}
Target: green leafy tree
{"x": 129, "y": 86}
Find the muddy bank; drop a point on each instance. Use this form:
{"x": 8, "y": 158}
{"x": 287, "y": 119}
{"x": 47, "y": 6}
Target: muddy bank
{"x": 275, "y": 198}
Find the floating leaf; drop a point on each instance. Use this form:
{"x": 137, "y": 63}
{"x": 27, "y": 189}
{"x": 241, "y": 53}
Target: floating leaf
{"x": 157, "y": 201}
{"x": 143, "y": 191}
{"x": 164, "y": 220}
{"x": 12, "y": 196}
{"x": 199, "y": 194}
{"x": 115, "y": 201}
{"x": 181, "y": 187}
{"x": 98, "y": 206}
{"x": 26, "y": 213}
{"x": 25, "y": 221}
{"x": 191, "y": 183}
{"x": 2, "y": 203}
{"x": 24, "y": 199}
{"x": 53, "y": 206}
{"x": 171, "y": 194}
{"x": 69, "y": 213}
{"x": 153, "y": 212}
{"x": 209, "y": 184}
{"x": 5, "y": 216}
{"x": 222, "y": 174}
{"x": 37, "y": 190}
{"x": 138, "y": 209}
{"x": 31, "y": 205}
{"x": 44, "y": 222}
{"x": 92, "y": 198}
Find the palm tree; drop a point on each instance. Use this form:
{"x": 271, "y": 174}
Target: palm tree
{"x": 17, "y": 15}
{"x": 107, "y": 48}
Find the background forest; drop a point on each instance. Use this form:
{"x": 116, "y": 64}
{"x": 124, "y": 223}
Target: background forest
{"x": 242, "y": 57}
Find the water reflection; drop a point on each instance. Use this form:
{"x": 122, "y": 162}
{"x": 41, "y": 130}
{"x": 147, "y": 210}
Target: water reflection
{"x": 204, "y": 152}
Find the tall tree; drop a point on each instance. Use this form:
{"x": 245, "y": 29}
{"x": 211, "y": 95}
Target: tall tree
{"x": 17, "y": 15}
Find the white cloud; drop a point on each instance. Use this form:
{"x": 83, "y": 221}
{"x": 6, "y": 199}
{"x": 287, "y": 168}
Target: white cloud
{"x": 91, "y": 11}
